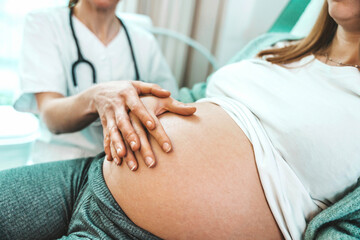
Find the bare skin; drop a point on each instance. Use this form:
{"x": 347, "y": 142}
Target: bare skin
{"x": 206, "y": 188}
{"x": 99, "y": 16}
{"x": 345, "y": 46}
{"x": 109, "y": 101}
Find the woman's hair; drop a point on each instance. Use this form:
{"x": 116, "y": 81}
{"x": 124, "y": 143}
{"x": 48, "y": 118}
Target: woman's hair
{"x": 317, "y": 41}
{"x": 72, "y": 3}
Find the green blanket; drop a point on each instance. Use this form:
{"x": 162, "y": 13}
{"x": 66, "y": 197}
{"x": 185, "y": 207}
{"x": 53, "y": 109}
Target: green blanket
{"x": 340, "y": 221}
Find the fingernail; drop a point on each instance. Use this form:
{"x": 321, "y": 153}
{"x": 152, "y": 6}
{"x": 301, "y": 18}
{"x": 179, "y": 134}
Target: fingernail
{"x": 149, "y": 124}
{"x": 132, "y": 165}
{"x": 149, "y": 162}
{"x": 166, "y": 147}
{"x": 132, "y": 144}
{"x": 118, "y": 151}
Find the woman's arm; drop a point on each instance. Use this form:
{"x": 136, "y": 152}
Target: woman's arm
{"x": 65, "y": 114}
{"x": 111, "y": 102}
{"x": 69, "y": 114}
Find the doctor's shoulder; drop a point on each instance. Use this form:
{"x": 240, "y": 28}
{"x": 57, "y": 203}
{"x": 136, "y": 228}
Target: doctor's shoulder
{"x": 46, "y": 16}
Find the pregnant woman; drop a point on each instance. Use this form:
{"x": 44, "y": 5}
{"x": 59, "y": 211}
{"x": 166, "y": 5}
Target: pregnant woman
{"x": 276, "y": 141}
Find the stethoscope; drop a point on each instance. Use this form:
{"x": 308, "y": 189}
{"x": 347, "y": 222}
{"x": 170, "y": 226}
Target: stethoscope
{"x": 81, "y": 59}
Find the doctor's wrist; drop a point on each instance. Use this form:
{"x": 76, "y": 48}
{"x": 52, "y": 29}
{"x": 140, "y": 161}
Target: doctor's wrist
{"x": 89, "y": 98}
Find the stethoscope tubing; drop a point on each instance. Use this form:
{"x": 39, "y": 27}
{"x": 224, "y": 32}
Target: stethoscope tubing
{"x": 81, "y": 58}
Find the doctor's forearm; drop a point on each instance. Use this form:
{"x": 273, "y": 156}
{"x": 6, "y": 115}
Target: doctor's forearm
{"x": 67, "y": 114}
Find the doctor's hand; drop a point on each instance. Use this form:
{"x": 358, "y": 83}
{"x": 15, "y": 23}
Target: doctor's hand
{"x": 113, "y": 101}
{"x": 155, "y": 106}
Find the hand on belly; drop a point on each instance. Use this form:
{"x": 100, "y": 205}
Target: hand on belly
{"x": 207, "y": 187}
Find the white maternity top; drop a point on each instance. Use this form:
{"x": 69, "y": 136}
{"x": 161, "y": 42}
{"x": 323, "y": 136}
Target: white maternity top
{"x": 304, "y": 124}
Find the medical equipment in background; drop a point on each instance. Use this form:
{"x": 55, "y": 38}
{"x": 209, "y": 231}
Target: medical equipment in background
{"x": 82, "y": 60}
{"x": 18, "y": 132}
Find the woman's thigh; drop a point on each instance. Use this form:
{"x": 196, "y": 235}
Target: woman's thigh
{"x": 206, "y": 188}
{"x": 36, "y": 202}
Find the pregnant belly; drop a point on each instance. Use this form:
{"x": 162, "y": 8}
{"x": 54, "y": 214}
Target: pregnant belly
{"x": 207, "y": 187}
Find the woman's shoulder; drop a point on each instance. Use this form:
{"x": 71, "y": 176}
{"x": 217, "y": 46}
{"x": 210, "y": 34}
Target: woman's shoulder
{"x": 243, "y": 66}
{"x": 246, "y": 73}
{"x": 234, "y": 73}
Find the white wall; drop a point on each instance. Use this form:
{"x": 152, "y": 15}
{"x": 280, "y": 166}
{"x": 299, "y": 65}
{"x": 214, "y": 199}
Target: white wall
{"x": 243, "y": 21}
